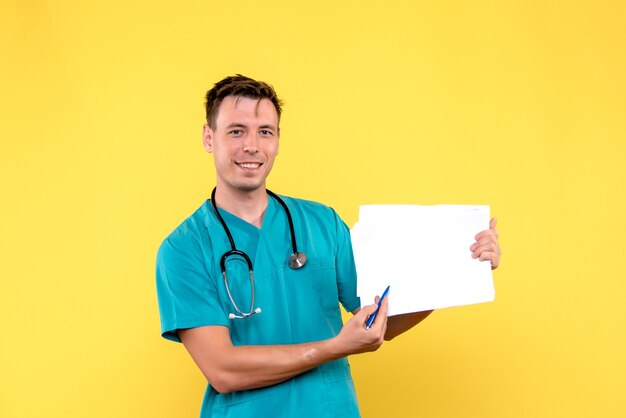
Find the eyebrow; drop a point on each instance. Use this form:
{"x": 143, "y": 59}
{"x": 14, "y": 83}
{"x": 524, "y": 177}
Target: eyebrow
{"x": 241, "y": 125}
{"x": 235, "y": 125}
{"x": 268, "y": 126}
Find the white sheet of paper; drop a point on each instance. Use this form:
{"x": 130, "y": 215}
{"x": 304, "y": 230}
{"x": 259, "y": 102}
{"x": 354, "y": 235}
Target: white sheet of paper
{"x": 423, "y": 253}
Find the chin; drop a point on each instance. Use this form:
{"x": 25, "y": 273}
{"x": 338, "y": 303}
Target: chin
{"x": 249, "y": 187}
{"x": 242, "y": 184}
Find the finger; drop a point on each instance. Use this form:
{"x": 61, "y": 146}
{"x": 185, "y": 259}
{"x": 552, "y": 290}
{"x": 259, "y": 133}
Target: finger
{"x": 370, "y": 309}
{"x": 493, "y": 258}
{"x": 488, "y": 246}
{"x": 367, "y": 310}
{"x": 492, "y": 223}
{"x": 374, "y": 306}
{"x": 487, "y": 241}
{"x": 382, "y": 311}
{"x": 487, "y": 233}
{"x": 384, "y": 306}
{"x": 487, "y": 255}
{"x": 381, "y": 317}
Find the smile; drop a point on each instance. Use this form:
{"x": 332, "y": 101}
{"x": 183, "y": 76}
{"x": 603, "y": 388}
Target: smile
{"x": 249, "y": 165}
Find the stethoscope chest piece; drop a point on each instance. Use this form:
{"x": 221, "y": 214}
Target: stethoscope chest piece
{"x": 296, "y": 260}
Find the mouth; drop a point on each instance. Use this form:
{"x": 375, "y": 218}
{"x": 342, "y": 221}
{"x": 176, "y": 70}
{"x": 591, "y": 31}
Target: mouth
{"x": 249, "y": 165}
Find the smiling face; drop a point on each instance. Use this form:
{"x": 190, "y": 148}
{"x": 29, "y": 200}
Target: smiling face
{"x": 244, "y": 143}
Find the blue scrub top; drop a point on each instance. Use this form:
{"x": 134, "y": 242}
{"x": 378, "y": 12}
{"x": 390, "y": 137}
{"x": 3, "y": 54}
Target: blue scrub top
{"x": 297, "y": 305}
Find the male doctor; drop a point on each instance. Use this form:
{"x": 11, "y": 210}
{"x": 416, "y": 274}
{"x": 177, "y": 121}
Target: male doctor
{"x": 286, "y": 355}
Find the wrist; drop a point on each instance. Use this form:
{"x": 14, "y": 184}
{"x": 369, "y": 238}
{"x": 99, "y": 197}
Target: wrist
{"x": 335, "y": 348}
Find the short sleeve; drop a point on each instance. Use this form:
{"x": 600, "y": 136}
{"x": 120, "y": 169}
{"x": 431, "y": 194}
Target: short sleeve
{"x": 187, "y": 294}
{"x": 346, "y": 269}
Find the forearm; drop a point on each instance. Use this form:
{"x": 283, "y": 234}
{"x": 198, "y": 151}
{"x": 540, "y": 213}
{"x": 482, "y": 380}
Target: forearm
{"x": 250, "y": 367}
{"x": 398, "y": 324}
{"x": 232, "y": 368}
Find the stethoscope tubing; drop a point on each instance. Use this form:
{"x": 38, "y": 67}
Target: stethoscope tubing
{"x": 289, "y": 219}
{"x": 295, "y": 261}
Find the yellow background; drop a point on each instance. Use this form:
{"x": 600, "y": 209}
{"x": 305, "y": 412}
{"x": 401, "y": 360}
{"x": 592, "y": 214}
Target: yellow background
{"x": 520, "y": 105}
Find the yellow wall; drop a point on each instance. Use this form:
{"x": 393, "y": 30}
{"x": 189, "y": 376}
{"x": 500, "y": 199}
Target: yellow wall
{"x": 520, "y": 105}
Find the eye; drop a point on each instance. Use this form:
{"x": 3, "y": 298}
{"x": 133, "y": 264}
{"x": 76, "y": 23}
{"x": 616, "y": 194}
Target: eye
{"x": 265, "y": 132}
{"x": 235, "y": 132}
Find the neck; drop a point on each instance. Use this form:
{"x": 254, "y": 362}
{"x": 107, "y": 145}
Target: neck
{"x": 249, "y": 206}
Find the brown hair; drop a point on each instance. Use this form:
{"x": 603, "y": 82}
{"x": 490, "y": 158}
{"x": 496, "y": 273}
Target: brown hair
{"x": 238, "y": 86}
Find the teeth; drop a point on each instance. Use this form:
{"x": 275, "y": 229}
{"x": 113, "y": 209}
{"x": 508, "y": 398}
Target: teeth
{"x": 249, "y": 165}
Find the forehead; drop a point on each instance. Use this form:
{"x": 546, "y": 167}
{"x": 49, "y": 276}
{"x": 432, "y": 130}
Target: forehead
{"x": 244, "y": 109}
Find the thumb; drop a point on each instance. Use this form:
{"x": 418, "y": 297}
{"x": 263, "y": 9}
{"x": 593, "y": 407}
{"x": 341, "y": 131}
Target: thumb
{"x": 492, "y": 223}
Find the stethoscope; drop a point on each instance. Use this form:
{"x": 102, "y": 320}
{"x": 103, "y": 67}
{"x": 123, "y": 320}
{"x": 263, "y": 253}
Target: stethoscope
{"x": 295, "y": 261}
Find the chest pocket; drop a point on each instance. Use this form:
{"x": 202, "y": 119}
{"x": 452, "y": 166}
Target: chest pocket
{"x": 319, "y": 278}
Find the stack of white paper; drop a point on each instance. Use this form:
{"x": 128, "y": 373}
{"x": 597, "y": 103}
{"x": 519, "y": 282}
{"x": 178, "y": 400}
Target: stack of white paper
{"x": 423, "y": 253}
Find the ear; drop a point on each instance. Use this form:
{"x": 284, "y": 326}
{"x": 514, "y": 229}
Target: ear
{"x": 207, "y": 138}
{"x": 278, "y": 140}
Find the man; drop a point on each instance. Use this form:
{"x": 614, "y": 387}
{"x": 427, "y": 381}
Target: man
{"x": 287, "y": 359}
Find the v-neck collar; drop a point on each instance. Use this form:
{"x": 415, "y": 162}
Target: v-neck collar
{"x": 231, "y": 219}
{"x": 249, "y": 238}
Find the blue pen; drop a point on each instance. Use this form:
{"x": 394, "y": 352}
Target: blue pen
{"x": 371, "y": 318}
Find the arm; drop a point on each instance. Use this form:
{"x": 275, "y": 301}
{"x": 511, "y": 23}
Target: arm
{"x": 232, "y": 368}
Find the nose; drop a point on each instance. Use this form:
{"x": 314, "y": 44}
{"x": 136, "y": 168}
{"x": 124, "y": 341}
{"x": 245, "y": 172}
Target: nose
{"x": 251, "y": 144}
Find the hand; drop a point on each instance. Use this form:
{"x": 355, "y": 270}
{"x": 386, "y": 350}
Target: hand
{"x": 354, "y": 338}
{"x": 486, "y": 246}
